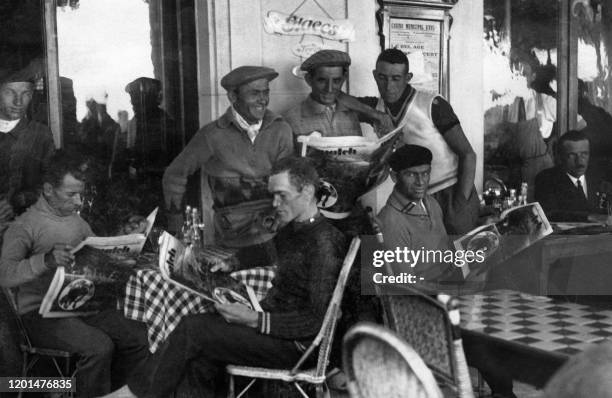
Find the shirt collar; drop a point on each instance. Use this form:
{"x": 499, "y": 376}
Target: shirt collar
{"x": 227, "y": 119}
{"x": 6, "y": 126}
{"x": 574, "y": 179}
{"x": 312, "y": 107}
{"x": 405, "y": 205}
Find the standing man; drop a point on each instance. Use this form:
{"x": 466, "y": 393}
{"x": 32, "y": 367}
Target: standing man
{"x": 310, "y": 252}
{"x": 326, "y": 72}
{"x": 237, "y": 152}
{"x": 569, "y": 191}
{"x": 428, "y": 120}
{"x": 25, "y": 146}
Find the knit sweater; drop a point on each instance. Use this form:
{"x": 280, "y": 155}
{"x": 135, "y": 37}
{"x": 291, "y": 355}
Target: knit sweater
{"x": 310, "y": 256}
{"x": 27, "y": 240}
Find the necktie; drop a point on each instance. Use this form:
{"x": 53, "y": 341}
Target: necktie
{"x": 579, "y": 186}
{"x": 329, "y": 112}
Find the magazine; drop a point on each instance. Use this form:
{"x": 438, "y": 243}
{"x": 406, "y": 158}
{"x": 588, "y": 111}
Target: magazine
{"x": 178, "y": 265}
{"x": 102, "y": 266}
{"x": 349, "y": 167}
{"x": 518, "y": 228}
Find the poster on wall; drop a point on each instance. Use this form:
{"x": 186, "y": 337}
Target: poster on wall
{"x": 420, "y": 39}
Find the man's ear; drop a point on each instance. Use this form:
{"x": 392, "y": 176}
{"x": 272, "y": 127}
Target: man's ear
{"x": 374, "y": 73}
{"x": 232, "y": 95}
{"x": 308, "y": 79}
{"x": 409, "y": 76}
{"x": 310, "y": 190}
{"x": 47, "y": 189}
{"x": 393, "y": 175}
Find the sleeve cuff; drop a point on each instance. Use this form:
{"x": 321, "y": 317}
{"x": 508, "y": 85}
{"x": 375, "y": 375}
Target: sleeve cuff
{"x": 264, "y": 322}
{"x": 38, "y": 264}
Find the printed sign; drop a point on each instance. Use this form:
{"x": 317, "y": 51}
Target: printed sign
{"x": 298, "y": 25}
{"x": 419, "y": 36}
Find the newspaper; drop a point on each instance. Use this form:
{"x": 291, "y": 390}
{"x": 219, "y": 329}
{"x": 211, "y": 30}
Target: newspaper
{"x": 97, "y": 277}
{"x": 518, "y": 228}
{"x": 350, "y": 166}
{"x": 178, "y": 265}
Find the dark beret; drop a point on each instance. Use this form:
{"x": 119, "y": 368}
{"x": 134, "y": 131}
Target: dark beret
{"x": 326, "y": 58}
{"x": 246, "y": 74}
{"x": 145, "y": 84}
{"x": 409, "y": 156}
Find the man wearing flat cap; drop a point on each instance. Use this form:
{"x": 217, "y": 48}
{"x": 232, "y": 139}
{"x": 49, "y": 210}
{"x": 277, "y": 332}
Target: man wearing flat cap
{"x": 326, "y": 72}
{"x": 25, "y": 146}
{"x": 237, "y": 152}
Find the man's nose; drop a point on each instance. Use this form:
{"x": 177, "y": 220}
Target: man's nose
{"x": 329, "y": 86}
{"x": 275, "y": 202}
{"x": 389, "y": 85}
{"x": 78, "y": 199}
{"x": 18, "y": 101}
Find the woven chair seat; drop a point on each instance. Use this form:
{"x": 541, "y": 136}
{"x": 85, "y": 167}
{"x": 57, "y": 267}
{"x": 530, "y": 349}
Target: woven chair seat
{"x": 45, "y": 351}
{"x": 308, "y": 375}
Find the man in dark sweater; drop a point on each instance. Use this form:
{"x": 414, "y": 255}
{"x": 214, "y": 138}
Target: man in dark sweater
{"x": 310, "y": 253}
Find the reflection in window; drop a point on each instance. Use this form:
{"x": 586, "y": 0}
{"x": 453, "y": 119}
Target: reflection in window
{"x": 519, "y": 88}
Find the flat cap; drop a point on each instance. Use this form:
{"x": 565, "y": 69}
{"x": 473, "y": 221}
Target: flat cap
{"x": 409, "y": 156}
{"x": 326, "y": 58}
{"x": 144, "y": 84}
{"x": 247, "y": 74}
{"x": 13, "y": 76}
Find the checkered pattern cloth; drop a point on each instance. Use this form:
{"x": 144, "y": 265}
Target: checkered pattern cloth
{"x": 160, "y": 304}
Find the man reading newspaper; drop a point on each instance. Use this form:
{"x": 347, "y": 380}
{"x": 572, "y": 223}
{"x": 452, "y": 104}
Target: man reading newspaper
{"x": 310, "y": 253}
{"x": 39, "y": 241}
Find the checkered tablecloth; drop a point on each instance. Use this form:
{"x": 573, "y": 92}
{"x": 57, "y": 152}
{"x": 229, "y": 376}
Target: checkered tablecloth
{"x": 160, "y": 304}
{"x": 536, "y": 321}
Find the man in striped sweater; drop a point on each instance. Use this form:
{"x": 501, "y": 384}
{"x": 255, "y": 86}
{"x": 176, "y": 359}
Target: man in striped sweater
{"x": 309, "y": 256}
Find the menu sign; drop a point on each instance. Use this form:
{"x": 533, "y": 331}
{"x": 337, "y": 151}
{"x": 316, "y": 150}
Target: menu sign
{"x": 419, "y": 35}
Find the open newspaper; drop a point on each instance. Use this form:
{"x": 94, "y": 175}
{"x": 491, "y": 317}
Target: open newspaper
{"x": 350, "y": 167}
{"x": 179, "y": 265}
{"x": 518, "y": 228}
{"x": 102, "y": 266}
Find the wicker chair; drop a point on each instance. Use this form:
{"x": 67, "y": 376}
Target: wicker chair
{"x": 379, "y": 364}
{"x": 431, "y": 327}
{"x": 323, "y": 341}
{"x": 31, "y": 354}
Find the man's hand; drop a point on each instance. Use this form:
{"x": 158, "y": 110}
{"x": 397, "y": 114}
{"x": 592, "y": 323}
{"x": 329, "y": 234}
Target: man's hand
{"x": 223, "y": 266}
{"x": 238, "y": 313}
{"x": 60, "y": 256}
{"x": 134, "y": 225}
{"x": 6, "y": 211}
{"x": 382, "y": 123}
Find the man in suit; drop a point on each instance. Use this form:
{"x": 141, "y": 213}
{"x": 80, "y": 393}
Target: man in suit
{"x": 571, "y": 191}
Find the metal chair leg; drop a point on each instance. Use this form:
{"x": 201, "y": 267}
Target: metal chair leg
{"x": 231, "y": 393}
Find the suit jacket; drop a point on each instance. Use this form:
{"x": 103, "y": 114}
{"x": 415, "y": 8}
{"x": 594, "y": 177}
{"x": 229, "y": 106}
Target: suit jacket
{"x": 560, "y": 198}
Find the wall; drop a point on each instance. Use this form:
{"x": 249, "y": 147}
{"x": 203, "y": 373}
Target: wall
{"x": 466, "y": 81}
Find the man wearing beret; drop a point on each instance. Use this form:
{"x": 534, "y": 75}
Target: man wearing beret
{"x": 25, "y": 146}
{"x": 236, "y": 151}
{"x": 413, "y": 219}
{"x": 326, "y": 72}
{"x": 428, "y": 120}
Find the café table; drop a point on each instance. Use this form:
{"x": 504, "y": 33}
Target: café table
{"x": 533, "y": 335}
{"x": 161, "y": 304}
{"x": 559, "y": 246}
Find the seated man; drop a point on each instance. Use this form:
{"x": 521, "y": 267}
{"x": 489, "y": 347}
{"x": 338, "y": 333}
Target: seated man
{"x": 413, "y": 219}
{"x": 36, "y": 244}
{"x": 237, "y": 152}
{"x": 570, "y": 191}
{"x": 310, "y": 253}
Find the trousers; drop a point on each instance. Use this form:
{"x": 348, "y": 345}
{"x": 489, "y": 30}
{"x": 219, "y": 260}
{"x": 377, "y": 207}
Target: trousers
{"x": 97, "y": 340}
{"x": 208, "y": 342}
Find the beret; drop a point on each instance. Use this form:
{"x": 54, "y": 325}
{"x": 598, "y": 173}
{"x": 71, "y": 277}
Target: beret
{"x": 326, "y": 58}
{"x": 409, "y": 156}
{"x": 247, "y": 74}
{"x": 145, "y": 84}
